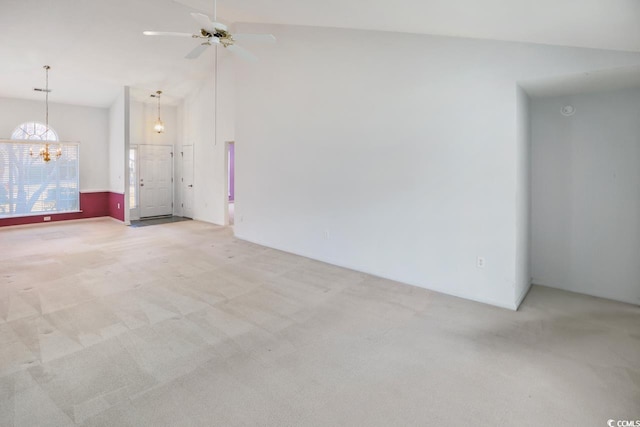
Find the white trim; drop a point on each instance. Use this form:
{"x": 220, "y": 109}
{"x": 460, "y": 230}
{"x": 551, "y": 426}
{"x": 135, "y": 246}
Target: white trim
{"x": 508, "y": 306}
{"x": 227, "y": 144}
{"x": 66, "y": 221}
{"x": 43, "y": 213}
{"x": 126, "y": 209}
{"x": 134, "y": 213}
{"x": 523, "y": 295}
{"x": 184, "y": 185}
{"x": 116, "y": 220}
{"x": 587, "y": 292}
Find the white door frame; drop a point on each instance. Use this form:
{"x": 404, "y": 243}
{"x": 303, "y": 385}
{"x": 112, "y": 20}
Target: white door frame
{"x": 226, "y": 181}
{"x": 186, "y": 183}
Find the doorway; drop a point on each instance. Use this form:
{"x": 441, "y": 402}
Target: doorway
{"x": 155, "y": 181}
{"x": 585, "y": 193}
{"x": 231, "y": 181}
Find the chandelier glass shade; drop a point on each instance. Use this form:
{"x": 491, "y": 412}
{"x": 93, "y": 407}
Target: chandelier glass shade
{"x": 159, "y": 126}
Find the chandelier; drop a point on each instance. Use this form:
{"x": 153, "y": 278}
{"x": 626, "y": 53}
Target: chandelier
{"x": 44, "y": 152}
{"x": 159, "y": 126}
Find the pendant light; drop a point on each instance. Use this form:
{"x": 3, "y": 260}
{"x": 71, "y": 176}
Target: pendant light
{"x": 45, "y": 153}
{"x": 159, "y": 126}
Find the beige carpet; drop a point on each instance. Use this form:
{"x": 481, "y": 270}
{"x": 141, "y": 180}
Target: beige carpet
{"x": 181, "y": 324}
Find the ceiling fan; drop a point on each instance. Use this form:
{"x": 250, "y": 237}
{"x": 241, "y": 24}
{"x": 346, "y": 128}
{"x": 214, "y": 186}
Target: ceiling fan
{"x": 212, "y": 32}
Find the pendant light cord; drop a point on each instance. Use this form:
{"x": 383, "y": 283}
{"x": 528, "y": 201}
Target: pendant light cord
{"x": 46, "y": 103}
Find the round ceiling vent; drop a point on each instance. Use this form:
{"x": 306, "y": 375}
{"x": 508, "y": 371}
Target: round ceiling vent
{"x": 568, "y": 110}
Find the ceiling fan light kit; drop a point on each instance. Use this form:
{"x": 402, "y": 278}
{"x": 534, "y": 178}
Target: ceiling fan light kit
{"x": 211, "y": 33}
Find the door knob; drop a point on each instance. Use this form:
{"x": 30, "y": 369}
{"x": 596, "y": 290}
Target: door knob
{"x": 190, "y": 185}
{"x": 141, "y": 185}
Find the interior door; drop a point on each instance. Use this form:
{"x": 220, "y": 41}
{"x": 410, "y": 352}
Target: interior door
{"x": 187, "y": 180}
{"x": 156, "y": 177}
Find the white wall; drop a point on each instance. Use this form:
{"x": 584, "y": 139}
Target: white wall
{"x": 402, "y": 149}
{"x": 523, "y": 195}
{"x": 143, "y": 118}
{"x": 207, "y": 130}
{"x": 225, "y": 130}
{"x": 586, "y": 194}
{"x": 198, "y": 115}
{"x": 118, "y": 136}
{"x": 86, "y": 125}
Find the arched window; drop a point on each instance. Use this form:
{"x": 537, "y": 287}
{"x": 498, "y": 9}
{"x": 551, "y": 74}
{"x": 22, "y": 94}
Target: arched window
{"x": 34, "y": 131}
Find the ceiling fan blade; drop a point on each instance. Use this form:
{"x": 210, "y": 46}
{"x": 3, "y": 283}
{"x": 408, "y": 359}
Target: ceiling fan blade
{"x": 205, "y": 23}
{"x": 242, "y": 53}
{"x": 166, "y": 33}
{"x": 257, "y": 38}
{"x": 197, "y": 51}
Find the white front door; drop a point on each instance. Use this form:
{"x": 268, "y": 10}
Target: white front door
{"x": 156, "y": 176}
{"x": 187, "y": 180}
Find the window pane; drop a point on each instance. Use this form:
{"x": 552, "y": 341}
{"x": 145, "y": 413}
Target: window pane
{"x": 29, "y": 185}
{"x": 133, "y": 180}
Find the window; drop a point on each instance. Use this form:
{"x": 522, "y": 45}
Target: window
{"x": 34, "y": 131}
{"x": 133, "y": 181}
{"x": 28, "y": 184}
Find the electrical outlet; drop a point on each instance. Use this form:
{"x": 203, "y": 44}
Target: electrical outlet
{"x": 118, "y": 205}
{"x": 47, "y": 218}
{"x": 480, "y": 262}
{"x": 326, "y": 234}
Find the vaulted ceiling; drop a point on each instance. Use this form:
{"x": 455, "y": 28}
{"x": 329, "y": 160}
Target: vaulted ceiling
{"x": 96, "y": 47}
{"x": 600, "y": 24}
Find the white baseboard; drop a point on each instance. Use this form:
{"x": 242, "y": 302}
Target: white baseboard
{"x": 500, "y": 304}
{"x": 523, "y": 295}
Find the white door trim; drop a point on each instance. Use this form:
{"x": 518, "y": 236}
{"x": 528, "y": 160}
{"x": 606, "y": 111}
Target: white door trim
{"x": 187, "y": 184}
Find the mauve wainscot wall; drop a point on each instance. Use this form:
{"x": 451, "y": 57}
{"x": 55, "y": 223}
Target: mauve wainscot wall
{"x": 116, "y": 206}
{"x": 92, "y": 205}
